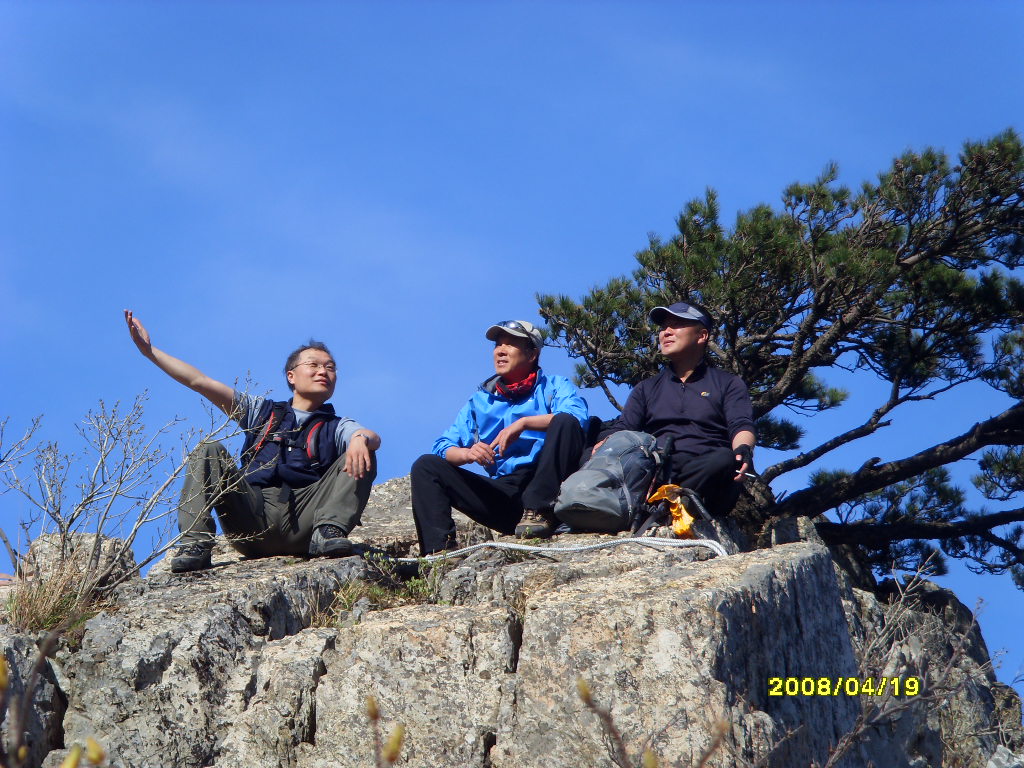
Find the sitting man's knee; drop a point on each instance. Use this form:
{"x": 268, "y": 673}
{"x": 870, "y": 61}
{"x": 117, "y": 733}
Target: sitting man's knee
{"x": 724, "y": 459}
{"x": 208, "y": 451}
{"x": 564, "y": 422}
{"x": 426, "y": 464}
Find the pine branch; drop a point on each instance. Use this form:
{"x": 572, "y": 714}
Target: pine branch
{"x": 809, "y": 457}
{"x": 882, "y": 534}
{"x": 1007, "y": 546}
{"x": 867, "y": 428}
{"x": 1006, "y": 428}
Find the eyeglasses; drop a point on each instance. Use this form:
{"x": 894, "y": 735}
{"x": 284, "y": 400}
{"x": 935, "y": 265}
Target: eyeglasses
{"x": 315, "y": 366}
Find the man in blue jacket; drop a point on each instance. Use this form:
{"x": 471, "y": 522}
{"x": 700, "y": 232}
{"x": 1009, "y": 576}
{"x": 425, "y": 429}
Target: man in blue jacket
{"x": 306, "y": 472}
{"x": 523, "y": 427}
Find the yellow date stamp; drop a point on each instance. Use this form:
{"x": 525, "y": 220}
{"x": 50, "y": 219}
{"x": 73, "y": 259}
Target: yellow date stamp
{"x": 843, "y": 686}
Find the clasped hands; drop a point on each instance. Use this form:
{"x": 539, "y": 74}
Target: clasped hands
{"x": 484, "y": 453}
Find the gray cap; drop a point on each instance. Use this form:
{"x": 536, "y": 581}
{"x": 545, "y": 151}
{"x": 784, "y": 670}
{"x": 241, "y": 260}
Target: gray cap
{"x": 683, "y": 311}
{"x": 521, "y": 328}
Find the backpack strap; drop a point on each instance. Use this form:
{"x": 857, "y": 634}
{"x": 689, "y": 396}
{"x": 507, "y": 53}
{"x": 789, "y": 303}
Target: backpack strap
{"x": 657, "y": 515}
{"x": 652, "y": 515}
{"x": 273, "y": 422}
{"x": 305, "y": 437}
{"x": 666, "y": 459}
{"x": 311, "y": 442}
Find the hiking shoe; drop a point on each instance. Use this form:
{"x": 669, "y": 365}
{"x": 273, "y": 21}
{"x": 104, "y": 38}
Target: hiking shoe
{"x": 536, "y": 524}
{"x": 329, "y": 541}
{"x": 190, "y": 557}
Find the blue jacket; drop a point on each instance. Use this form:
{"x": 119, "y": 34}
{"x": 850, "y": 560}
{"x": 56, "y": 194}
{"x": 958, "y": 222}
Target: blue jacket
{"x": 487, "y": 413}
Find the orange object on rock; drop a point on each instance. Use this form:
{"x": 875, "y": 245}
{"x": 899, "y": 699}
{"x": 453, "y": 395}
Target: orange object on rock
{"x": 682, "y": 521}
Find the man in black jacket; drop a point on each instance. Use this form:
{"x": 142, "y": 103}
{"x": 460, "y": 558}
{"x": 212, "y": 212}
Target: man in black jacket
{"x": 705, "y": 411}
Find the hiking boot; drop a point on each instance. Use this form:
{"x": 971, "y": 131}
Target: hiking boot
{"x": 329, "y": 541}
{"x": 536, "y": 524}
{"x": 190, "y": 557}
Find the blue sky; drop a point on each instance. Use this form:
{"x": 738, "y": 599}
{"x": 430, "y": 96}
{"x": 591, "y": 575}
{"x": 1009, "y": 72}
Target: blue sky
{"x": 394, "y": 177}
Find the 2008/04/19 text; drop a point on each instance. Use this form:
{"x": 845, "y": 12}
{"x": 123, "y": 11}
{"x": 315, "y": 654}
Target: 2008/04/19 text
{"x": 843, "y": 686}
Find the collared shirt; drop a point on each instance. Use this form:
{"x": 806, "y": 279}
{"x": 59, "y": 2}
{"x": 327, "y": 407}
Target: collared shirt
{"x": 704, "y": 412}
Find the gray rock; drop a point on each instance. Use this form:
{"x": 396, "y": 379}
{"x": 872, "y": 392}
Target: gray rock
{"x": 1004, "y": 758}
{"x": 271, "y": 708}
{"x": 439, "y": 670}
{"x": 225, "y": 668}
{"x": 157, "y": 680}
{"x": 672, "y": 649}
{"x": 387, "y": 522}
{"x": 103, "y": 561}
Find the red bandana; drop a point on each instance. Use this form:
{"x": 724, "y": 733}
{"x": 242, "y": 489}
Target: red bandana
{"x": 517, "y": 390}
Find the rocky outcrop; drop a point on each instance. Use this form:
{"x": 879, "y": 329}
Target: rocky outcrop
{"x": 95, "y": 560}
{"x": 240, "y": 666}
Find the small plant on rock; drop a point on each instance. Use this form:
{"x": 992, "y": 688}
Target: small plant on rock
{"x": 384, "y": 754}
{"x": 384, "y": 587}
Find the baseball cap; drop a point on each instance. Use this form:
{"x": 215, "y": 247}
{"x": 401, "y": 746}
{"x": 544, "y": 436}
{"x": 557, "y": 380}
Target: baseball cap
{"x": 683, "y": 311}
{"x": 520, "y": 328}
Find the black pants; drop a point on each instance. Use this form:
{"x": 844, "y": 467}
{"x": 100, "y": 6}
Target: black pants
{"x": 709, "y": 474}
{"x": 498, "y": 502}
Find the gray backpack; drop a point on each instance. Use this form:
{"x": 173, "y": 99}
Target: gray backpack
{"x": 608, "y": 493}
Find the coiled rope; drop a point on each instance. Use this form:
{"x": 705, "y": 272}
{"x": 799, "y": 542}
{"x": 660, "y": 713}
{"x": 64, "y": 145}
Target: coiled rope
{"x": 644, "y": 541}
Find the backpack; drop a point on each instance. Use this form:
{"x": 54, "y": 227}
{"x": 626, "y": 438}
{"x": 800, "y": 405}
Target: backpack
{"x": 610, "y": 491}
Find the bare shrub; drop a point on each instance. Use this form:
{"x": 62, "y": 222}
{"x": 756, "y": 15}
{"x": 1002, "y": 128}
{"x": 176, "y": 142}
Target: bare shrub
{"x": 910, "y": 639}
{"x": 88, "y": 509}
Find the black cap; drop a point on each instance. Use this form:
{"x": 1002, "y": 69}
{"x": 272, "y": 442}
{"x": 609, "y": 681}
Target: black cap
{"x": 683, "y": 311}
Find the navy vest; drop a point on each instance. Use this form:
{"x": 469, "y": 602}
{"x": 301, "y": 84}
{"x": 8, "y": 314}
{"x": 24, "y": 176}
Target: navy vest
{"x": 276, "y": 453}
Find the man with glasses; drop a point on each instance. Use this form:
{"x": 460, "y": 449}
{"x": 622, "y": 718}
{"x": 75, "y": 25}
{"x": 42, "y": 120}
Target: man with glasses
{"x": 704, "y": 411}
{"x": 306, "y": 472}
{"x": 523, "y": 427}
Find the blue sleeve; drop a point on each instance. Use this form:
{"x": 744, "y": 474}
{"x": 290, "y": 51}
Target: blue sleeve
{"x": 567, "y": 400}
{"x": 461, "y": 434}
{"x": 344, "y": 431}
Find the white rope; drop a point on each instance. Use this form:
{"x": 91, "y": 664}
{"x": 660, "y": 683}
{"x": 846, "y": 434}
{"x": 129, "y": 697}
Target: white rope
{"x": 644, "y": 541}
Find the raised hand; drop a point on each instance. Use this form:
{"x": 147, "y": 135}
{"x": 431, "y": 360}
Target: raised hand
{"x": 138, "y": 333}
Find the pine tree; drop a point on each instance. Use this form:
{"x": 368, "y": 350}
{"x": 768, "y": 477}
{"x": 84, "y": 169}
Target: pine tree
{"x": 908, "y": 280}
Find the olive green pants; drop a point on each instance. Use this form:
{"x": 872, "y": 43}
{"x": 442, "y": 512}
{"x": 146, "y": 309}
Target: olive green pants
{"x": 258, "y": 522}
